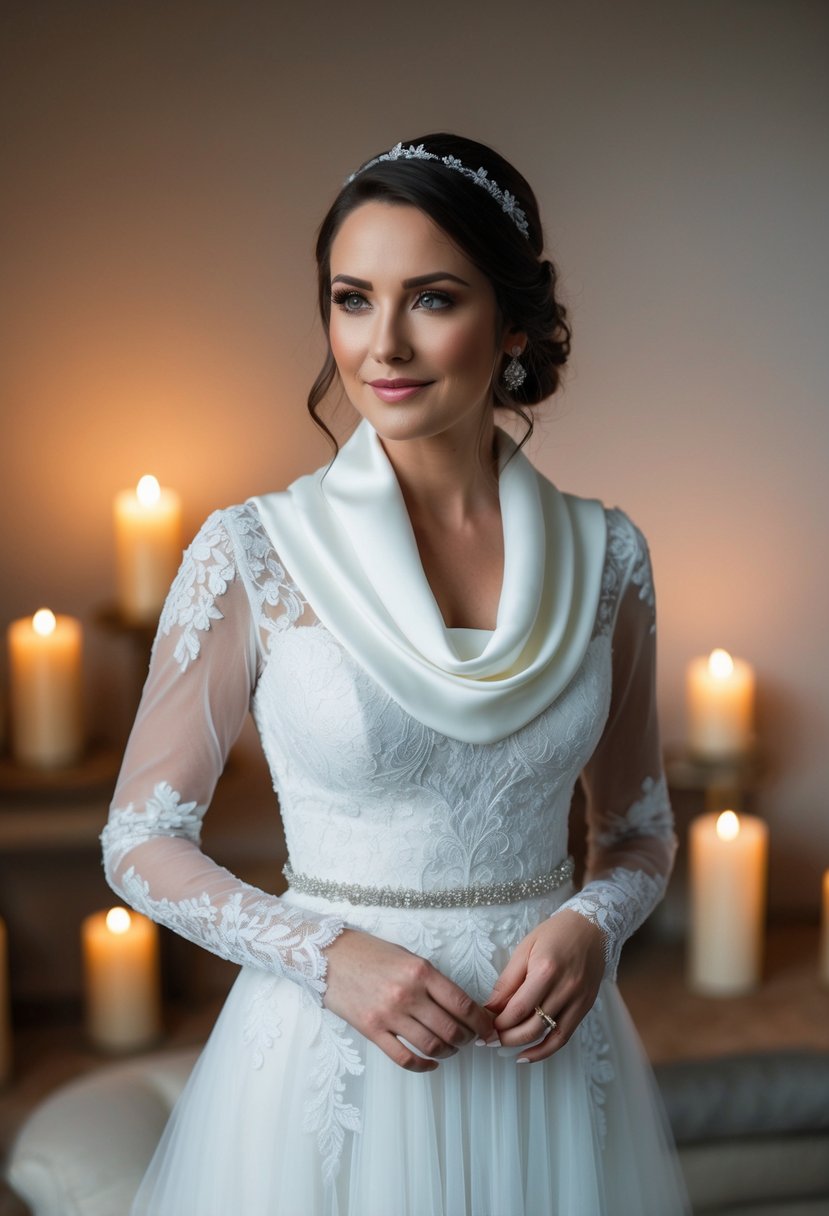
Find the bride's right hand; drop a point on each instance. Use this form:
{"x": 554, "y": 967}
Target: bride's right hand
{"x": 383, "y": 990}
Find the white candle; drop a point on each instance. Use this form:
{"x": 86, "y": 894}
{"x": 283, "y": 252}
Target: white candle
{"x": 728, "y": 902}
{"x": 824, "y": 933}
{"x": 148, "y": 548}
{"x": 45, "y": 653}
{"x": 122, "y": 979}
{"x": 720, "y": 696}
{"x": 5, "y": 1009}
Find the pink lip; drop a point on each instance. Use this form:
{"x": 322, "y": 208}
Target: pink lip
{"x": 397, "y": 390}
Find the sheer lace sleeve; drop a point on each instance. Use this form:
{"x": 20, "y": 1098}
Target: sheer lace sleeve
{"x": 631, "y": 841}
{"x": 202, "y": 674}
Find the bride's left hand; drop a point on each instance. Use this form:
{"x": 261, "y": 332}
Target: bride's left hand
{"x": 559, "y": 967}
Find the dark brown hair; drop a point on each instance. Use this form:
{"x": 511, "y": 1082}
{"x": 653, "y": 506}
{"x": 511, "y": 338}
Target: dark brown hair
{"x": 523, "y": 281}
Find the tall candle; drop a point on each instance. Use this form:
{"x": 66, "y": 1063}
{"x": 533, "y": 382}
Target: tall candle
{"x": 720, "y": 696}
{"x": 45, "y": 653}
{"x": 5, "y": 1009}
{"x": 148, "y": 548}
{"x": 728, "y": 902}
{"x": 122, "y": 979}
{"x": 824, "y": 933}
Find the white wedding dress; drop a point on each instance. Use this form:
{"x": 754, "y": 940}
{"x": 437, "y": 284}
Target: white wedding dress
{"x": 290, "y": 1111}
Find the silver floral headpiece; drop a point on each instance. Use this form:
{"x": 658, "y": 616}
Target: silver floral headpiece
{"x": 506, "y": 201}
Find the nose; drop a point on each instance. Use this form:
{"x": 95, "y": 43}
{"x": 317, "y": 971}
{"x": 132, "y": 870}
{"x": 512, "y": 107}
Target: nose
{"x": 390, "y": 341}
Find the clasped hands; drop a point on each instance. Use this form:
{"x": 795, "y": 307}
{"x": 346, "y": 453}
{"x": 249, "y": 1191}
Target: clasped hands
{"x": 385, "y": 991}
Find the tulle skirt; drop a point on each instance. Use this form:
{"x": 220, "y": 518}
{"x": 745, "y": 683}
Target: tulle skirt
{"x": 290, "y": 1112}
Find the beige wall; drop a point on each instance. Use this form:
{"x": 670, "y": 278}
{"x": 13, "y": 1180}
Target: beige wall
{"x": 165, "y": 166}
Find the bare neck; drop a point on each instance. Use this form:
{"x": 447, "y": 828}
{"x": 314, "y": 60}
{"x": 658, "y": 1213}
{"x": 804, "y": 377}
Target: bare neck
{"x": 446, "y": 479}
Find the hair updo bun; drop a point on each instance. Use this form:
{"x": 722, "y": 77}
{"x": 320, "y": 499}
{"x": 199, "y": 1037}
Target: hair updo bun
{"x": 524, "y": 282}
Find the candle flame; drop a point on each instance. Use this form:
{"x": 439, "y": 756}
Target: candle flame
{"x": 118, "y": 920}
{"x": 44, "y": 622}
{"x": 720, "y": 664}
{"x": 148, "y": 490}
{"x": 728, "y": 826}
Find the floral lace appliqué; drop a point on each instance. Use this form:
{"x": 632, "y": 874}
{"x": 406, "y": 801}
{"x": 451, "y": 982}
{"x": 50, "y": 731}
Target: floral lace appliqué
{"x": 650, "y": 815}
{"x": 276, "y": 601}
{"x": 259, "y": 932}
{"x": 599, "y": 1070}
{"x": 326, "y": 1112}
{"x": 618, "y": 902}
{"x": 626, "y": 556}
{"x": 205, "y": 572}
{"x": 164, "y": 814}
{"x": 262, "y": 1025}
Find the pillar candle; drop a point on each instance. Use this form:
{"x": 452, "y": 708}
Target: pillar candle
{"x": 728, "y": 860}
{"x": 45, "y": 653}
{"x": 5, "y": 1009}
{"x": 148, "y": 548}
{"x": 121, "y": 966}
{"x": 720, "y": 697}
{"x": 824, "y": 933}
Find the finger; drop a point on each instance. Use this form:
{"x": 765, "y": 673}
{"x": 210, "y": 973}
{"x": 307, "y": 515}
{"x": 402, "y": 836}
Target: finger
{"x": 566, "y": 1022}
{"x": 439, "y": 1022}
{"x": 538, "y": 987}
{"x": 533, "y": 1026}
{"x": 403, "y": 1055}
{"x": 424, "y": 1039}
{"x": 509, "y": 980}
{"x": 459, "y": 1005}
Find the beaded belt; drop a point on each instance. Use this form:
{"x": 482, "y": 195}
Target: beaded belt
{"x": 410, "y": 897}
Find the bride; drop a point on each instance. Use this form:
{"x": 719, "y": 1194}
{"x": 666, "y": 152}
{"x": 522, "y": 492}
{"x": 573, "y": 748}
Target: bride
{"x": 436, "y": 644}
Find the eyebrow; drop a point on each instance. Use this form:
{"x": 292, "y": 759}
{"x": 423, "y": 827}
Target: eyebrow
{"x": 419, "y": 281}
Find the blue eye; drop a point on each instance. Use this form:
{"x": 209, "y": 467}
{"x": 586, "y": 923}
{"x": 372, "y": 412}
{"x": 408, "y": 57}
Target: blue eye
{"x": 434, "y": 301}
{"x": 349, "y": 301}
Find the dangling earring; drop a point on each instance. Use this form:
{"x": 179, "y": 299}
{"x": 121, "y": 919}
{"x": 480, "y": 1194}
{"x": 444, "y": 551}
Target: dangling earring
{"x": 514, "y": 373}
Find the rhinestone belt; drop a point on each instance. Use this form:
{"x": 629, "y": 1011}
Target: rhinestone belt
{"x": 410, "y": 897}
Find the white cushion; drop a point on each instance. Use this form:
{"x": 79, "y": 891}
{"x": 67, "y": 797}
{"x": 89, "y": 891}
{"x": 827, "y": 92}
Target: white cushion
{"x": 84, "y": 1150}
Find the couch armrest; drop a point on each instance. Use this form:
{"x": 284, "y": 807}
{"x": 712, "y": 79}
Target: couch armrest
{"x": 84, "y": 1150}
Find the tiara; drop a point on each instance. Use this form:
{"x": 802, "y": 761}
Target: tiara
{"x": 506, "y": 201}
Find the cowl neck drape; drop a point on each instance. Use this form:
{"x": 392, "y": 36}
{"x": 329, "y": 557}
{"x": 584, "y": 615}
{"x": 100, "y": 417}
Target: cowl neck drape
{"x": 345, "y": 537}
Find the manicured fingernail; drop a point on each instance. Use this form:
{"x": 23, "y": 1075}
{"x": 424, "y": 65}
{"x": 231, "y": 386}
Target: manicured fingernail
{"x": 480, "y": 1042}
{"x": 492, "y": 1041}
{"x": 522, "y": 1060}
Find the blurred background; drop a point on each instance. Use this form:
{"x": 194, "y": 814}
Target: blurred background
{"x": 165, "y": 167}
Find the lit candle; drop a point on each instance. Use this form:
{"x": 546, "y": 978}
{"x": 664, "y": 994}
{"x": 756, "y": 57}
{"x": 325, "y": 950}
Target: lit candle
{"x": 720, "y": 695}
{"x": 148, "y": 548}
{"x": 5, "y": 1009}
{"x": 728, "y": 902}
{"x": 824, "y": 933}
{"x": 45, "y": 654}
{"x": 122, "y": 979}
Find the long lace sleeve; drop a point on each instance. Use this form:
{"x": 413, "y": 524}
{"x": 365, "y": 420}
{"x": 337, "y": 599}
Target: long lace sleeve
{"x": 202, "y": 674}
{"x": 631, "y": 840}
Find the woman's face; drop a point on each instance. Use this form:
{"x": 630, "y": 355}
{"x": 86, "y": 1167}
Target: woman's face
{"x": 413, "y": 326}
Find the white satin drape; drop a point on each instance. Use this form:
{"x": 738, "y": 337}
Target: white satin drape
{"x": 346, "y": 539}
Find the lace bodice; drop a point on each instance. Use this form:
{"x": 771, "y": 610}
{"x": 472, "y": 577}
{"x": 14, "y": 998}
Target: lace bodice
{"x": 367, "y": 793}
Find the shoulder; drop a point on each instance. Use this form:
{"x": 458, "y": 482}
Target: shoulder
{"x": 627, "y": 571}
{"x": 626, "y": 543}
{"x": 229, "y": 569}
{"x": 237, "y": 535}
